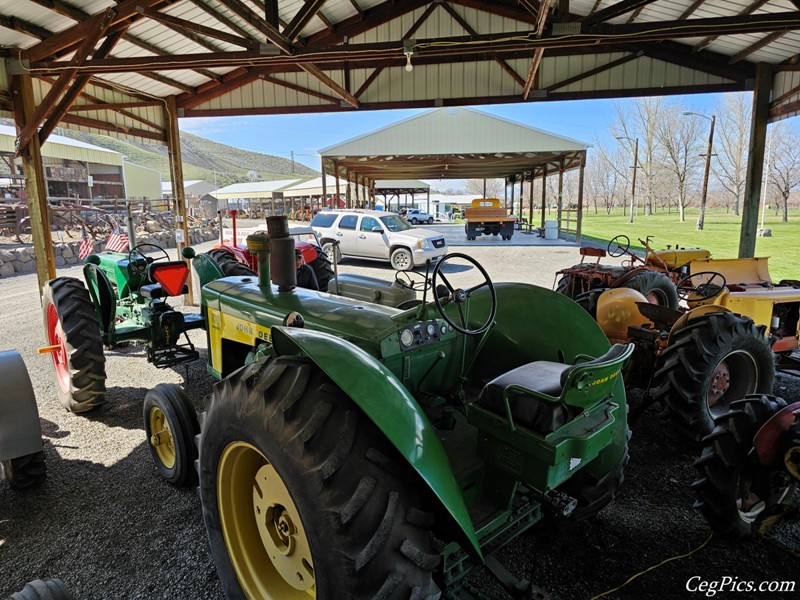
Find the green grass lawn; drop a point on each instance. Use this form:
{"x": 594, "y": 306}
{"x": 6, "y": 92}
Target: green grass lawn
{"x": 720, "y": 235}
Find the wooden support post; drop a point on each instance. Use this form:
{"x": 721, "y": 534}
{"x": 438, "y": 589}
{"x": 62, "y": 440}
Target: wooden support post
{"x": 348, "y": 193}
{"x": 428, "y": 209}
{"x": 325, "y": 183}
{"x": 755, "y": 160}
{"x": 580, "y": 199}
{"x": 513, "y": 181}
{"x": 530, "y": 200}
{"x": 338, "y": 190}
{"x": 358, "y": 195}
{"x": 560, "y": 191}
{"x": 544, "y": 192}
{"x": 521, "y": 192}
{"x": 35, "y": 184}
{"x": 176, "y": 176}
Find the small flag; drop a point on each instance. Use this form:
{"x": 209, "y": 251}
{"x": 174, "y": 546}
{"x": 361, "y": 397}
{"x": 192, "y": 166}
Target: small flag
{"x": 86, "y": 247}
{"x": 117, "y": 241}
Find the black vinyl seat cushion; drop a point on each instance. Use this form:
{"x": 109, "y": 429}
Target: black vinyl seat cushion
{"x": 154, "y": 291}
{"x": 528, "y": 411}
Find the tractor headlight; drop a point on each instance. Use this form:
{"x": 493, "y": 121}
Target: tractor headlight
{"x": 424, "y": 244}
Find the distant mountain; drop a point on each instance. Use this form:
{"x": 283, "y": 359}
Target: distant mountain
{"x": 201, "y": 157}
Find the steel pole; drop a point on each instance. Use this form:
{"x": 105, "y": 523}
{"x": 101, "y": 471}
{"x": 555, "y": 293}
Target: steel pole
{"x": 701, "y": 221}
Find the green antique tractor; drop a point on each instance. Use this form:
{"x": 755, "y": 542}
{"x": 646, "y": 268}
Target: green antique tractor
{"x": 124, "y": 298}
{"x": 353, "y": 449}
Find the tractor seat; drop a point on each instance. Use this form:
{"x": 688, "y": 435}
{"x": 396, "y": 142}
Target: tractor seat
{"x": 169, "y": 279}
{"x": 540, "y": 407}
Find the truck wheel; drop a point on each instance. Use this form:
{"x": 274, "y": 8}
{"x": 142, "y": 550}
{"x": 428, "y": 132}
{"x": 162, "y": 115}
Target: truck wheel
{"x": 322, "y": 269}
{"x": 228, "y": 264}
{"x": 594, "y": 487}
{"x": 414, "y": 221}
{"x": 71, "y": 323}
{"x": 402, "y": 260}
{"x": 47, "y": 589}
{"x": 25, "y": 471}
{"x": 716, "y": 359}
{"x": 656, "y": 287}
{"x": 430, "y": 221}
{"x": 170, "y": 424}
{"x": 333, "y": 253}
{"x": 303, "y": 496}
{"x": 732, "y": 488}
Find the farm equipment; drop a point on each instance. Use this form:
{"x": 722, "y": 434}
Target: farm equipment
{"x": 22, "y": 459}
{"x": 343, "y": 433}
{"x": 736, "y": 328}
{"x": 487, "y": 216}
{"x": 654, "y": 276}
{"x": 749, "y": 467}
{"x": 124, "y": 299}
{"x": 229, "y": 254}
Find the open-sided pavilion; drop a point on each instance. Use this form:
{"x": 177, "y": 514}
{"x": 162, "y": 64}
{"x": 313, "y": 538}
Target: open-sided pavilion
{"x": 132, "y": 68}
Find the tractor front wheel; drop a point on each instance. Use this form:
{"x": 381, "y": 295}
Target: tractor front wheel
{"x": 303, "y": 496}
{"x": 716, "y": 359}
{"x": 733, "y": 489}
{"x": 170, "y": 424}
{"x": 656, "y": 287}
{"x": 73, "y": 332}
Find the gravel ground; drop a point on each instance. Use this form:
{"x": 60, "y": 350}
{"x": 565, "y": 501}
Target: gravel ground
{"x": 108, "y": 526}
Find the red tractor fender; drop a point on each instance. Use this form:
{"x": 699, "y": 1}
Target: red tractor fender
{"x": 767, "y": 441}
{"x": 243, "y": 254}
{"x": 308, "y": 251}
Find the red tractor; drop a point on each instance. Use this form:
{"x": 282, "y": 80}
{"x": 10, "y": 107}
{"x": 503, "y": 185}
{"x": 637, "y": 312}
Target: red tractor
{"x": 234, "y": 259}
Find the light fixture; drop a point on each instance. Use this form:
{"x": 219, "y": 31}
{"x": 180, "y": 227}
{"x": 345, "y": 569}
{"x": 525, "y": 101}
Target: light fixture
{"x": 409, "y": 66}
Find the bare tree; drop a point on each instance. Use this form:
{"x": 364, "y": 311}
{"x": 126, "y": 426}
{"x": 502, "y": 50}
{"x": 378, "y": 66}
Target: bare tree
{"x": 494, "y": 187}
{"x": 604, "y": 181}
{"x": 679, "y": 137}
{"x": 784, "y": 163}
{"x": 640, "y": 118}
{"x": 730, "y": 168}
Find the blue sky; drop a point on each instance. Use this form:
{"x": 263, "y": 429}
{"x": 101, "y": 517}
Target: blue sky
{"x": 584, "y": 120}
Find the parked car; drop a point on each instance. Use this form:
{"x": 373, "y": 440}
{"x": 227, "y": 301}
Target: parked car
{"x": 416, "y": 216}
{"x": 377, "y": 235}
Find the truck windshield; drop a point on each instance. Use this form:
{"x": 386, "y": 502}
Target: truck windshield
{"x": 395, "y": 223}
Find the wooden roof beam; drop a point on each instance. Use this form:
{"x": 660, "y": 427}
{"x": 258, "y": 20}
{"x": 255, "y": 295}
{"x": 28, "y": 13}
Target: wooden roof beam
{"x": 358, "y": 9}
{"x": 270, "y": 32}
{"x": 533, "y": 69}
{"x": 299, "y": 88}
{"x": 23, "y": 26}
{"x": 766, "y": 40}
{"x": 153, "y": 49}
{"x": 747, "y": 11}
{"x": 194, "y": 31}
{"x": 228, "y": 22}
{"x": 124, "y": 11}
{"x": 592, "y": 72}
{"x": 615, "y": 10}
{"x": 307, "y": 12}
{"x": 178, "y": 85}
{"x": 690, "y": 10}
{"x": 102, "y": 125}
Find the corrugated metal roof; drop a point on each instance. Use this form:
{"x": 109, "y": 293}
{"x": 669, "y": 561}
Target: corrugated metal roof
{"x": 453, "y": 131}
{"x": 253, "y": 83}
{"x": 254, "y": 189}
{"x": 61, "y": 147}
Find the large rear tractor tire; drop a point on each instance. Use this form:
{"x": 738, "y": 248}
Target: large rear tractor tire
{"x": 70, "y": 322}
{"x": 47, "y": 589}
{"x": 229, "y": 265}
{"x": 303, "y": 496}
{"x": 656, "y": 287}
{"x": 716, "y": 359}
{"x": 25, "y": 471}
{"x": 733, "y": 489}
{"x": 170, "y": 424}
{"x": 322, "y": 269}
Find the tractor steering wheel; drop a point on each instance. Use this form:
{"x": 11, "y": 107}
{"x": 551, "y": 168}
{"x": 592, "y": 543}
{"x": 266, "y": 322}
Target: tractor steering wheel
{"x": 461, "y": 296}
{"x": 411, "y": 280}
{"x": 708, "y": 289}
{"x": 619, "y": 245}
{"x": 136, "y": 253}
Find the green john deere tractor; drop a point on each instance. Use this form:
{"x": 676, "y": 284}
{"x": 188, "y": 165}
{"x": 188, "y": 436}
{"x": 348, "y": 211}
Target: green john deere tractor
{"x": 353, "y": 449}
{"x": 124, "y": 298}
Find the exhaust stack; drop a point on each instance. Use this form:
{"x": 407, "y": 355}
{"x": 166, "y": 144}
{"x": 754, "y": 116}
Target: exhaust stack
{"x": 259, "y": 244}
{"x": 282, "y": 263}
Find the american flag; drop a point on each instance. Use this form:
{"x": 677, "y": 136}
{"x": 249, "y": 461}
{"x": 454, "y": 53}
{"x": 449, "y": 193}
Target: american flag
{"x": 86, "y": 247}
{"x": 117, "y": 241}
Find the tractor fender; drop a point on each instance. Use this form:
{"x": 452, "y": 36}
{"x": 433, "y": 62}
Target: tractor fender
{"x": 395, "y": 412}
{"x": 20, "y": 431}
{"x": 693, "y": 314}
{"x": 770, "y": 439}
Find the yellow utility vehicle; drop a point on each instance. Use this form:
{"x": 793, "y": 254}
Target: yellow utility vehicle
{"x": 488, "y": 217}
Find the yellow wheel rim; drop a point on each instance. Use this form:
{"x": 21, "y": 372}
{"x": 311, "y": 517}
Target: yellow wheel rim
{"x": 161, "y": 437}
{"x": 264, "y": 536}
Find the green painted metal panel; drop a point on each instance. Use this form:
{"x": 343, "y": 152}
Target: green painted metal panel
{"x": 391, "y": 407}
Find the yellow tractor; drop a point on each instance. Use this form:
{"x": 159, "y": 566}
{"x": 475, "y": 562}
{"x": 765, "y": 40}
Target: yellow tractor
{"x": 734, "y": 328}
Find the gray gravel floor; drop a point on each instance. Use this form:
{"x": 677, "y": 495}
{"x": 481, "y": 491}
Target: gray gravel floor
{"x": 108, "y": 526}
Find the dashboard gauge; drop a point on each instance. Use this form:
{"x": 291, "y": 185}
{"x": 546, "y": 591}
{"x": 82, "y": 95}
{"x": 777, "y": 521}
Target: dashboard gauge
{"x": 406, "y": 337}
{"x": 431, "y": 329}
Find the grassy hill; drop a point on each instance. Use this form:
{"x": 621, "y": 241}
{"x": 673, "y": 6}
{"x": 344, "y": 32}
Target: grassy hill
{"x": 201, "y": 157}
